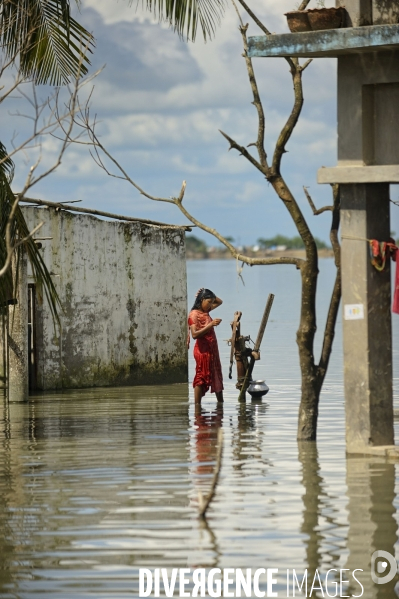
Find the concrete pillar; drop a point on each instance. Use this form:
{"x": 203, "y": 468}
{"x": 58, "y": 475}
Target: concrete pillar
{"x": 18, "y": 336}
{"x": 3, "y": 351}
{"x": 372, "y": 523}
{"x": 366, "y": 300}
{"x": 359, "y": 12}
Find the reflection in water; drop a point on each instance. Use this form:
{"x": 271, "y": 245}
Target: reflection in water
{"x": 317, "y": 506}
{"x": 248, "y": 436}
{"x": 312, "y": 506}
{"x": 96, "y": 484}
{"x": 371, "y": 518}
{"x": 206, "y": 425}
{"x": 91, "y": 483}
{"x": 206, "y": 434}
{"x": 371, "y": 515}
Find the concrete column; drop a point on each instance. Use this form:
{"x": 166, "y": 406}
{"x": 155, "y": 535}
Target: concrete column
{"x": 359, "y": 12}
{"x": 18, "y": 336}
{"x": 366, "y": 301}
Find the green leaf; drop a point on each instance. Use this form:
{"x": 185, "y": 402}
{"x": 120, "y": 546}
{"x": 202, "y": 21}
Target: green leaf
{"x": 184, "y": 16}
{"x": 49, "y": 44}
{"x": 19, "y": 230}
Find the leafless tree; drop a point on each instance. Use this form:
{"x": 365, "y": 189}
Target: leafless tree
{"x": 51, "y": 117}
{"x": 313, "y": 372}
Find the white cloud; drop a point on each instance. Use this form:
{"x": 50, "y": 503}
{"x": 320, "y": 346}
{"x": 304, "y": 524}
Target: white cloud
{"x": 161, "y": 102}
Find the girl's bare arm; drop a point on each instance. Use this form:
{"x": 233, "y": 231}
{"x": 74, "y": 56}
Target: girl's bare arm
{"x": 201, "y": 332}
{"x": 216, "y": 303}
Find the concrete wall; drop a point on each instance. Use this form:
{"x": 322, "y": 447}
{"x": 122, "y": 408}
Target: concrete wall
{"x": 366, "y": 108}
{"x": 370, "y": 12}
{"x": 124, "y": 295}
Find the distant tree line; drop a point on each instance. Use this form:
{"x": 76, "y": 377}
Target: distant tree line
{"x": 197, "y": 246}
{"x": 291, "y": 243}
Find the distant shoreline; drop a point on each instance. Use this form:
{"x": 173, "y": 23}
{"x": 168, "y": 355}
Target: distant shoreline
{"x": 225, "y": 254}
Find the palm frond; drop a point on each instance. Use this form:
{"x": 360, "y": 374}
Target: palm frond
{"x": 52, "y": 47}
{"x": 19, "y": 229}
{"x": 185, "y": 15}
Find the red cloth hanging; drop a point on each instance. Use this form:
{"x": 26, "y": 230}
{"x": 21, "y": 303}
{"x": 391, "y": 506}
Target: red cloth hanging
{"x": 379, "y": 251}
{"x": 395, "y": 305}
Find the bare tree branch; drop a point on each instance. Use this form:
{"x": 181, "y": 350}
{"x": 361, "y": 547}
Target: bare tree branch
{"x": 286, "y": 132}
{"x": 241, "y": 257}
{"x": 254, "y": 17}
{"x": 234, "y": 145}
{"x": 262, "y": 26}
{"x": 316, "y": 211}
{"x": 303, "y": 4}
{"x": 55, "y": 120}
{"x": 65, "y": 206}
{"x": 96, "y": 144}
{"x": 260, "y": 142}
{"x": 336, "y": 294}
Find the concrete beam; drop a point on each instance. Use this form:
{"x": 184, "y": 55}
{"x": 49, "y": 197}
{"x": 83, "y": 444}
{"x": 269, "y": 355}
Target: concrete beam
{"x": 359, "y": 174}
{"x": 327, "y": 43}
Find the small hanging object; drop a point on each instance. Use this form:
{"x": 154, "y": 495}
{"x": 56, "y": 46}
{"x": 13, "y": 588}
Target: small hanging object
{"x": 380, "y": 251}
{"x": 246, "y": 357}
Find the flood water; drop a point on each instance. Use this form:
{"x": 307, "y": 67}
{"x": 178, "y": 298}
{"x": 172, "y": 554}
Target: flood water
{"x": 96, "y": 484}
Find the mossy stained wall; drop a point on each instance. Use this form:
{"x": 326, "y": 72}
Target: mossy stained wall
{"x": 124, "y": 296}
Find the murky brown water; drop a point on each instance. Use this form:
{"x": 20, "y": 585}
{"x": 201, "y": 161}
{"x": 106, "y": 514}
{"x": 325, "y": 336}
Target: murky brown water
{"x": 95, "y": 484}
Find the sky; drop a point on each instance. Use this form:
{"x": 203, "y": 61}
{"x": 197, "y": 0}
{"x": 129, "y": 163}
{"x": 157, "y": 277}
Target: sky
{"x": 160, "y": 103}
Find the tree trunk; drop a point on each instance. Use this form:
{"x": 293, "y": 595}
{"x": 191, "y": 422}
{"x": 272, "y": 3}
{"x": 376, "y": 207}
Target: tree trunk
{"x": 308, "y": 408}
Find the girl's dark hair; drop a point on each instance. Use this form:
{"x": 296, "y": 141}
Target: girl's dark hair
{"x": 203, "y": 294}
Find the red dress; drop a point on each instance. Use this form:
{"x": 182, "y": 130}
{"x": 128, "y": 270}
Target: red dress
{"x": 208, "y": 372}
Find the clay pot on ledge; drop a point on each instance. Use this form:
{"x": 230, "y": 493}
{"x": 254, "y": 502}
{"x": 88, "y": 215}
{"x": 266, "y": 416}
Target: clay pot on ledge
{"x": 316, "y": 19}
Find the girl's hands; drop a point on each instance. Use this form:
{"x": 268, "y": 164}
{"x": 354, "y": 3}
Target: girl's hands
{"x": 199, "y": 291}
{"x": 216, "y": 321}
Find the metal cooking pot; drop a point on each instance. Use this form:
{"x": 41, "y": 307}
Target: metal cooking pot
{"x": 257, "y": 389}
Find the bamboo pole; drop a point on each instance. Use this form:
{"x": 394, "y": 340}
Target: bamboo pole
{"x": 256, "y": 349}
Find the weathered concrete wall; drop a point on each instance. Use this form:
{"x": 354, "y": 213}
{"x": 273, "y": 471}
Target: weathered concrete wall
{"x": 124, "y": 295}
{"x": 370, "y": 12}
{"x": 367, "y": 108}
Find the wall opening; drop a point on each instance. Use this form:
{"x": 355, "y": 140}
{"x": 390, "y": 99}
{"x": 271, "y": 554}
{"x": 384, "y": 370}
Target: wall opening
{"x": 32, "y": 334}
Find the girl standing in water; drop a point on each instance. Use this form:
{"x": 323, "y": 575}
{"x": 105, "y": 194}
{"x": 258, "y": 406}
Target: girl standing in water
{"x": 208, "y": 372}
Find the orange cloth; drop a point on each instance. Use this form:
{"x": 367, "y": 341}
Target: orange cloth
{"x": 208, "y": 372}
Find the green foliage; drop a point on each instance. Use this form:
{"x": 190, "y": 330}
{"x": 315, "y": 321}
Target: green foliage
{"x": 19, "y": 230}
{"x": 44, "y": 40}
{"x": 291, "y": 243}
{"x": 195, "y": 245}
{"x": 184, "y": 16}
